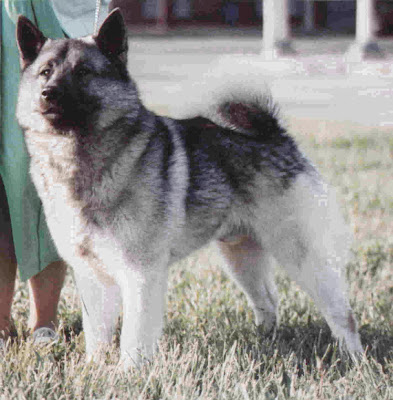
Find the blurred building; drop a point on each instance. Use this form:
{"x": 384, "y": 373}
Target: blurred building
{"x": 305, "y": 15}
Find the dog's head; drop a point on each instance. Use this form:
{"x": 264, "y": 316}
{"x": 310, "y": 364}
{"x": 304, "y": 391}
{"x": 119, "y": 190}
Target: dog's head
{"x": 67, "y": 82}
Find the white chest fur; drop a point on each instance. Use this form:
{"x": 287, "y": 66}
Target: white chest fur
{"x": 53, "y": 169}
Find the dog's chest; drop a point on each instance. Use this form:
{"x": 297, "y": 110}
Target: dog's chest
{"x": 78, "y": 241}
{"x": 62, "y": 211}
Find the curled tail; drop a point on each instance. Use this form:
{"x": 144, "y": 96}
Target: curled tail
{"x": 251, "y": 114}
{"x": 234, "y": 96}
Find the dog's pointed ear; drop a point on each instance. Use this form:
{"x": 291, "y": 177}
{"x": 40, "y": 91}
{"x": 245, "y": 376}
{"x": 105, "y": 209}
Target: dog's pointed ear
{"x": 30, "y": 41}
{"x": 112, "y": 36}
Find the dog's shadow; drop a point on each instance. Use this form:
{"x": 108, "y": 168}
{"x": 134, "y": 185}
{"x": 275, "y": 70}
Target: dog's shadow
{"x": 304, "y": 343}
{"x": 309, "y": 342}
{"x": 315, "y": 339}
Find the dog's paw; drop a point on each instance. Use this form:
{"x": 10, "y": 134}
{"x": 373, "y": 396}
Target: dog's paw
{"x": 133, "y": 358}
{"x": 265, "y": 321}
{"x": 352, "y": 348}
{"x": 102, "y": 353}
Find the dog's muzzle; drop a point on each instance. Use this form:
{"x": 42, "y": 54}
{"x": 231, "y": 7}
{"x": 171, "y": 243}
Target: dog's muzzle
{"x": 50, "y": 94}
{"x": 50, "y": 102}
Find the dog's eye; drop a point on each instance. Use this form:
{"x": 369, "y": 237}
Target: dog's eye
{"x": 45, "y": 72}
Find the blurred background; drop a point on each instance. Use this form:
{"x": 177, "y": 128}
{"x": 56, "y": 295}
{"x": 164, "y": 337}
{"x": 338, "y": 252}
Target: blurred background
{"x": 324, "y": 60}
{"x": 305, "y": 17}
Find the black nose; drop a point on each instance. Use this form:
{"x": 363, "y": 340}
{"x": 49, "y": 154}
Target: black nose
{"x": 50, "y": 93}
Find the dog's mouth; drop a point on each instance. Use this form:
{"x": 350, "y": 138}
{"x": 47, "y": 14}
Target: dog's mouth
{"x": 62, "y": 113}
{"x": 53, "y": 112}
{"x": 58, "y": 117}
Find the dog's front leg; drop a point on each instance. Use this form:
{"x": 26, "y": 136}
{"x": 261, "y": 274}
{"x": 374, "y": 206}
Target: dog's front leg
{"x": 100, "y": 310}
{"x": 144, "y": 301}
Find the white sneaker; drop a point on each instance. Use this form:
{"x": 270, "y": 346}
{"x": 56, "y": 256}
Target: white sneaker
{"x": 43, "y": 336}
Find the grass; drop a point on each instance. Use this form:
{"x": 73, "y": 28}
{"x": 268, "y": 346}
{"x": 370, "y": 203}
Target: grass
{"x": 211, "y": 348}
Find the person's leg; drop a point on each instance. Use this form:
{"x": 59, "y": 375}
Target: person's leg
{"x": 7, "y": 280}
{"x": 8, "y": 266}
{"x": 45, "y": 289}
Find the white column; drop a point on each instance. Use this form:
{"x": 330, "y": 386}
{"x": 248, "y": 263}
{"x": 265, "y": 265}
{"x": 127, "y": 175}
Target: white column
{"x": 365, "y": 45}
{"x": 365, "y": 21}
{"x": 162, "y": 16}
{"x": 309, "y": 17}
{"x": 276, "y": 29}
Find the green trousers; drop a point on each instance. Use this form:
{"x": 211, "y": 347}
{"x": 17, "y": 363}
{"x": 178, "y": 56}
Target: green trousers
{"x": 33, "y": 244}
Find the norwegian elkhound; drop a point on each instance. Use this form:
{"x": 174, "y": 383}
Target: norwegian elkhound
{"x": 127, "y": 192}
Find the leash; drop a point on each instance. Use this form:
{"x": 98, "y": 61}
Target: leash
{"x": 98, "y": 10}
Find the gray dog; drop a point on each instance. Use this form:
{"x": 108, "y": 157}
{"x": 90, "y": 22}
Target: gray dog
{"x": 126, "y": 192}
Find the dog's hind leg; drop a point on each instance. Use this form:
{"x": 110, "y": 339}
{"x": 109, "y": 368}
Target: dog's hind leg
{"x": 251, "y": 268}
{"x": 313, "y": 246}
{"x": 100, "y": 310}
{"x": 325, "y": 283}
